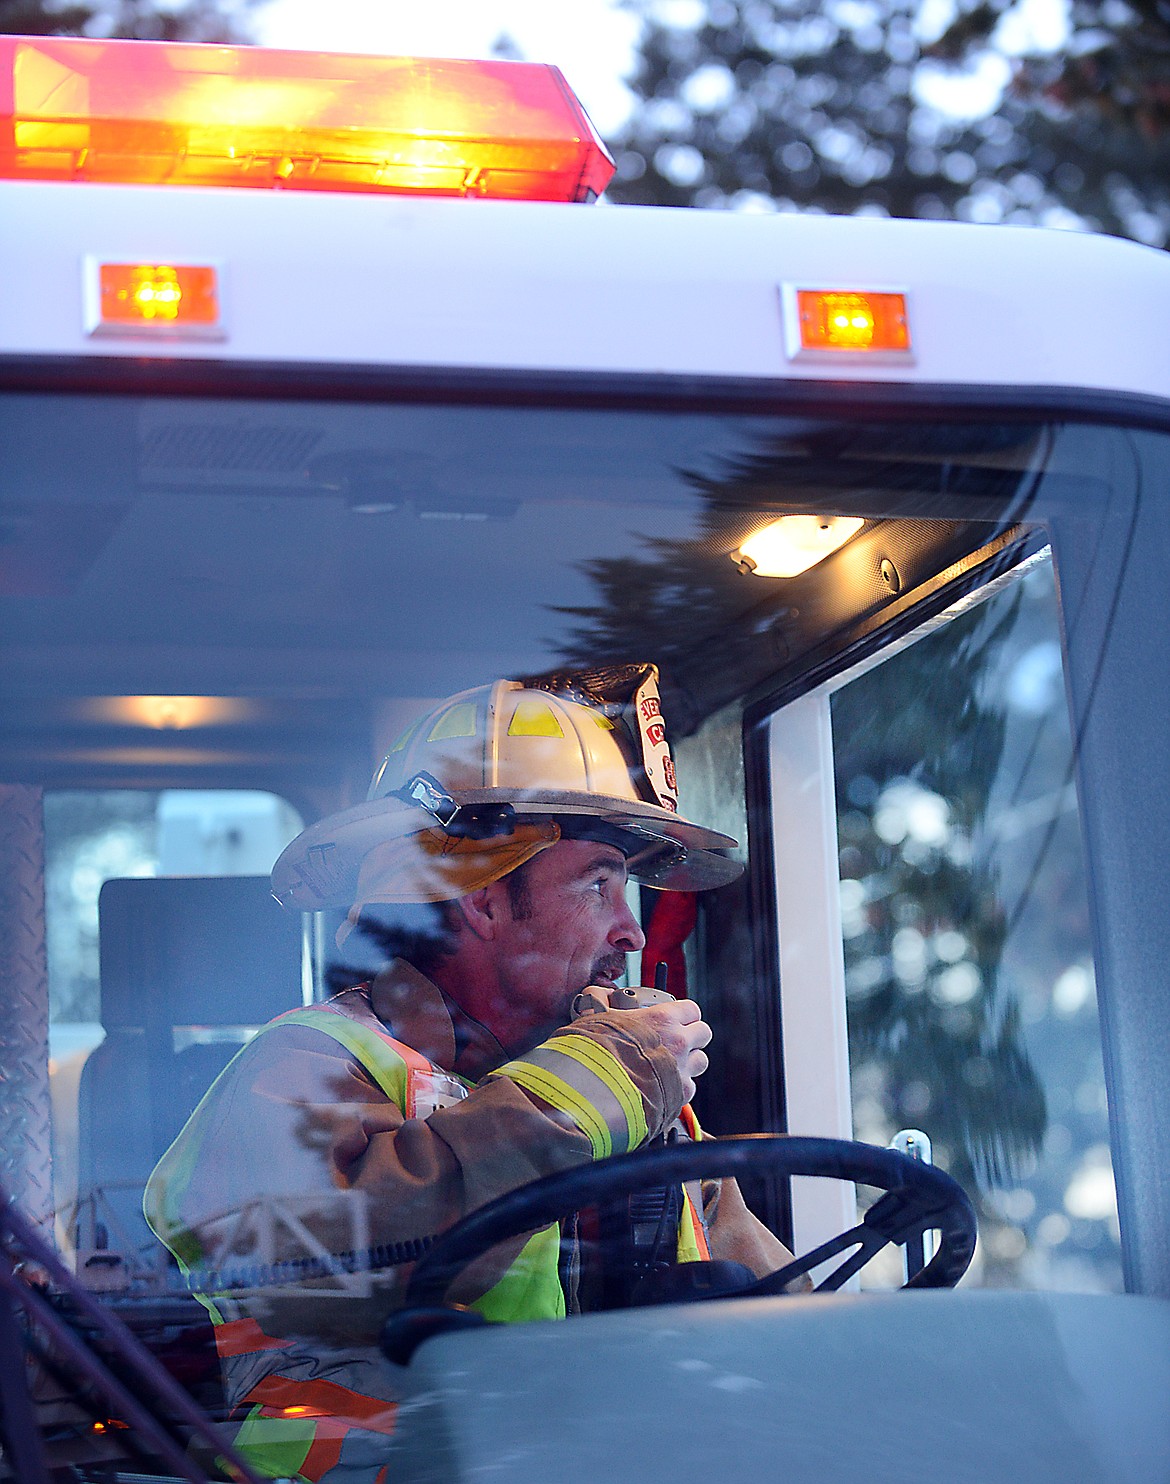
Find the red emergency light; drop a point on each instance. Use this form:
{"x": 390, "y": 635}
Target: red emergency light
{"x": 178, "y": 113}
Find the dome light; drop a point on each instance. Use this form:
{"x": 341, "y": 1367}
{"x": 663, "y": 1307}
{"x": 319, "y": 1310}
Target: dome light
{"x": 794, "y": 543}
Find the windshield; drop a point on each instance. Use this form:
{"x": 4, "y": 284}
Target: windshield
{"x": 554, "y": 636}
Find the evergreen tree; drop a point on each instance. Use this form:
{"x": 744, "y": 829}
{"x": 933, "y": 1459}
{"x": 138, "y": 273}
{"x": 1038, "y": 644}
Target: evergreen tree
{"x": 795, "y": 104}
{"x": 926, "y": 724}
{"x": 188, "y": 20}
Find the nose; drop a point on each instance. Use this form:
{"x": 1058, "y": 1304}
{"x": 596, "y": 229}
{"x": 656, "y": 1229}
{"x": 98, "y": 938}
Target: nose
{"x": 626, "y": 934}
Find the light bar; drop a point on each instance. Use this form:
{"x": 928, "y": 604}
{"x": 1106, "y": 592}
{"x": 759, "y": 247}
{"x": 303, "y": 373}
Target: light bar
{"x": 840, "y": 322}
{"x": 178, "y": 113}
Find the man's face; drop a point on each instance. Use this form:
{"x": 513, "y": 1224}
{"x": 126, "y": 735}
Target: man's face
{"x": 566, "y": 924}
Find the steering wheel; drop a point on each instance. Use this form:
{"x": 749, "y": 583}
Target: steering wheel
{"x": 918, "y": 1197}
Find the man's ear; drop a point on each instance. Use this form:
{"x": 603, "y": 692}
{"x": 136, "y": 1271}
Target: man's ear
{"x": 481, "y": 910}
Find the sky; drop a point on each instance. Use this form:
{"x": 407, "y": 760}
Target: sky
{"x": 593, "y": 41}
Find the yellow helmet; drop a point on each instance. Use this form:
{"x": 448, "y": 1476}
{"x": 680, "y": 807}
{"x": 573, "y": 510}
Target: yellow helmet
{"x": 496, "y": 774}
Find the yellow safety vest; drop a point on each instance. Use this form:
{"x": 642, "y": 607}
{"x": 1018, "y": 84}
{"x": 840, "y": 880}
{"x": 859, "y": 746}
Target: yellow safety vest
{"x": 296, "y": 1428}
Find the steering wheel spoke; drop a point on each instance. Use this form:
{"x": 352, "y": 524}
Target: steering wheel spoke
{"x": 862, "y": 1238}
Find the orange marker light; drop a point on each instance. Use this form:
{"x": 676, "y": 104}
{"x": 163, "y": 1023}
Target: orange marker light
{"x": 835, "y": 320}
{"x": 176, "y": 113}
{"x": 140, "y": 293}
{"x": 152, "y": 298}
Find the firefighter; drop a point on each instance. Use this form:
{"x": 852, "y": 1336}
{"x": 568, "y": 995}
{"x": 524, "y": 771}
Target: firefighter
{"x": 490, "y": 861}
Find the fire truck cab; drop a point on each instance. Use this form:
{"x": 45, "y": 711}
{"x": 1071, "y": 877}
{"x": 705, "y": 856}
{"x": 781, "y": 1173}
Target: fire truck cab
{"x": 326, "y": 394}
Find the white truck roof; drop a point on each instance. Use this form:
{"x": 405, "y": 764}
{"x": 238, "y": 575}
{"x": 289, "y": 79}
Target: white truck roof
{"x": 373, "y": 280}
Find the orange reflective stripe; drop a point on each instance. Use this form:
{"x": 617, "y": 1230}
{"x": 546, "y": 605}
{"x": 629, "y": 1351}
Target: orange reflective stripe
{"x": 691, "y": 1126}
{"x": 697, "y": 1224}
{"x": 326, "y": 1414}
{"x": 331, "y": 1405}
{"x": 242, "y": 1337}
{"x": 324, "y": 1454}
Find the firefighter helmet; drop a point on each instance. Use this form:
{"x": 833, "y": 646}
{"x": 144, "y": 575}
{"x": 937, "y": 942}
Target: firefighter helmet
{"x": 494, "y": 775}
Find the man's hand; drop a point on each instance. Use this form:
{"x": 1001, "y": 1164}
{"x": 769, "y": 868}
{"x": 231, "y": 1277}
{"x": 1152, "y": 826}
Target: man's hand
{"x": 683, "y": 1032}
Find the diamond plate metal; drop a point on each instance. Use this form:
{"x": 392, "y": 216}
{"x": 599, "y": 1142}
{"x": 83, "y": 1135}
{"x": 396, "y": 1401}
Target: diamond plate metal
{"x": 25, "y": 1116}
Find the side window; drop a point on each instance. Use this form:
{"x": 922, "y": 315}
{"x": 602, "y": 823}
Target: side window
{"x": 150, "y": 898}
{"x": 968, "y": 966}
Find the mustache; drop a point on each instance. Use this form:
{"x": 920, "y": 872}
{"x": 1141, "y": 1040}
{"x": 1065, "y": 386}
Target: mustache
{"x": 611, "y": 966}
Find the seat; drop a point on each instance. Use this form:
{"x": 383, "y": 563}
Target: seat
{"x": 189, "y": 965}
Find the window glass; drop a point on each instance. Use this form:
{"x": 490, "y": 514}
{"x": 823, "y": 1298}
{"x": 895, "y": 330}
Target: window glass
{"x": 968, "y": 962}
{"x": 219, "y": 618}
{"x": 92, "y": 838}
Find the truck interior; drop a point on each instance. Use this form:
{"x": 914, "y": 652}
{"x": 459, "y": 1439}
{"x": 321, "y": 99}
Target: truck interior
{"x": 222, "y": 599}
